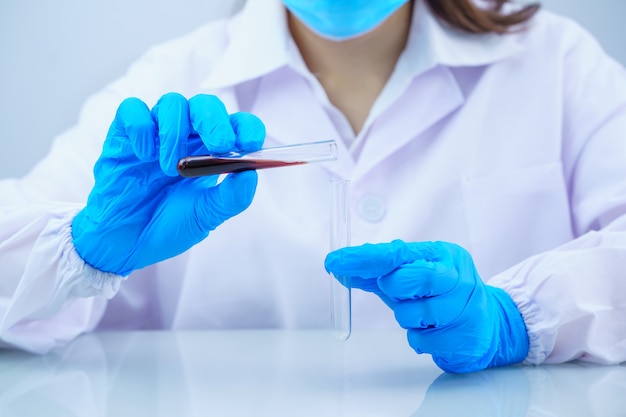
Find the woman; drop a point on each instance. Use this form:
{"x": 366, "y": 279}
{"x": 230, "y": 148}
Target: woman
{"x": 490, "y": 132}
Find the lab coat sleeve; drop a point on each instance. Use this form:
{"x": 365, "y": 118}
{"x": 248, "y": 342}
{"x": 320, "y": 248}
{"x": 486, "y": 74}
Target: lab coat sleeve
{"x": 58, "y": 296}
{"x": 48, "y": 294}
{"x": 573, "y": 298}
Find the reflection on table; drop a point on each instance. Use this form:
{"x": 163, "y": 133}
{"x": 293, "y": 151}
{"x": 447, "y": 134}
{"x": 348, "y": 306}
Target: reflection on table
{"x": 287, "y": 373}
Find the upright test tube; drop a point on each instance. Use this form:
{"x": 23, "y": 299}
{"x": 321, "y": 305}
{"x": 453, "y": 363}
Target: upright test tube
{"x": 340, "y": 295}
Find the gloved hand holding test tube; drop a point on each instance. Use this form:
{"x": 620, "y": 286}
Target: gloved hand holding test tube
{"x": 280, "y": 156}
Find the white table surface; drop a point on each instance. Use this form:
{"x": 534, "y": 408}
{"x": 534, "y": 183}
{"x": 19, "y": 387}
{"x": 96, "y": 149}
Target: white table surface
{"x": 287, "y": 373}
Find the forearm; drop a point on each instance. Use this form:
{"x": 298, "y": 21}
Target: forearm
{"x": 48, "y": 295}
{"x": 573, "y": 299}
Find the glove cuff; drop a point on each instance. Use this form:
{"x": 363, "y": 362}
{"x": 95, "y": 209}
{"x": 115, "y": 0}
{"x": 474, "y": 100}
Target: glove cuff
{"x": 512, "y": 336}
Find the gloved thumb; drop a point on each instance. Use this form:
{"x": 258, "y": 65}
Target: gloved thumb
{"x": 229, "y": 198}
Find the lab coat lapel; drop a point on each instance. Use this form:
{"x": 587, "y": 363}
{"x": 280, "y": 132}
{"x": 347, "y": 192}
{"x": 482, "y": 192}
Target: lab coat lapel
{"x": 433, "y": 92}
{"x": 429, "y": 98}
{"x": 292, "y": 115}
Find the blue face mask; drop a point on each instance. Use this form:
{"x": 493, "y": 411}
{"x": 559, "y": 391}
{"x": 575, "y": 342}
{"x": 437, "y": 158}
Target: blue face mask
{"x": 342, "y": 19}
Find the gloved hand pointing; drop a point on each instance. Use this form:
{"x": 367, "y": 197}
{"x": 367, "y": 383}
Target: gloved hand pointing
{"x": 140, "y": 211}
{"x": 437, "y": 295}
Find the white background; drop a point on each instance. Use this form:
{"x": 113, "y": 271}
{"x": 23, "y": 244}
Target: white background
{"x": 54, "y": 54}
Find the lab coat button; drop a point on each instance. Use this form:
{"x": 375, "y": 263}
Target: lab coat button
{"x": 371, "y": 209}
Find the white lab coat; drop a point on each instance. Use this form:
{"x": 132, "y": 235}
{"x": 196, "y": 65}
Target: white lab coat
{"x": 511, "y": 146}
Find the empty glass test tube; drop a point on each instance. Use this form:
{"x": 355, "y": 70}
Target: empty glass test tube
{"x": 340, "y": 295}
{"x": 279, "y": 156}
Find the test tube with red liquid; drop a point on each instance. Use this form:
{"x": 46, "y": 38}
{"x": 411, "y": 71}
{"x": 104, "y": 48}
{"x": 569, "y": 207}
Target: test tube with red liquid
{"x": 279, "y": 156}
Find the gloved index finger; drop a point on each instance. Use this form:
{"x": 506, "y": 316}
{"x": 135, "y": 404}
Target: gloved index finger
{"x": 172, "y": 116}
{"x": 210, "y": 120}
{"x": 419, "y": 279}
{"x": 375, "y": 260}
{"x": 249, "y": 131}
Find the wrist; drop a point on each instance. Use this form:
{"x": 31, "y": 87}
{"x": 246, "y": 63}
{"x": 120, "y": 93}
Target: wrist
{"x": 512, "y": 336}
{"x": 89, "y": 243}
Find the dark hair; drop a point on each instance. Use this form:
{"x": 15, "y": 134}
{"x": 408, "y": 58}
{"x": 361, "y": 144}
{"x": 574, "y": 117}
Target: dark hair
{"x": 468, "y": 17}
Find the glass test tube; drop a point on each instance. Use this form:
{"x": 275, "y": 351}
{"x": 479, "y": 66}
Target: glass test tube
{"x": 279, "y": 156}
{"x": 340, "y": 295}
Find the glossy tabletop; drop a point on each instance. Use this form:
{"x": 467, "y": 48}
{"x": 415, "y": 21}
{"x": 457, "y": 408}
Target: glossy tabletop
{"x": 287, "y": 373}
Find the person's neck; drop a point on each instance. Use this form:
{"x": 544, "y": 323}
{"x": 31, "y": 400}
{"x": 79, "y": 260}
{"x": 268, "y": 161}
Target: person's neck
{"x": 354, "y": 72}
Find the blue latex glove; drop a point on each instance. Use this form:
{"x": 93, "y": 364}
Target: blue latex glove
{"x": 140, "y": 210}
{"x": 437, "y": 295}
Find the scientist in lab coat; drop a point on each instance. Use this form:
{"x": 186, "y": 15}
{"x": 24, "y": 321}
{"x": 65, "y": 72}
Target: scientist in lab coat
{"x": 485, "y": 149}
